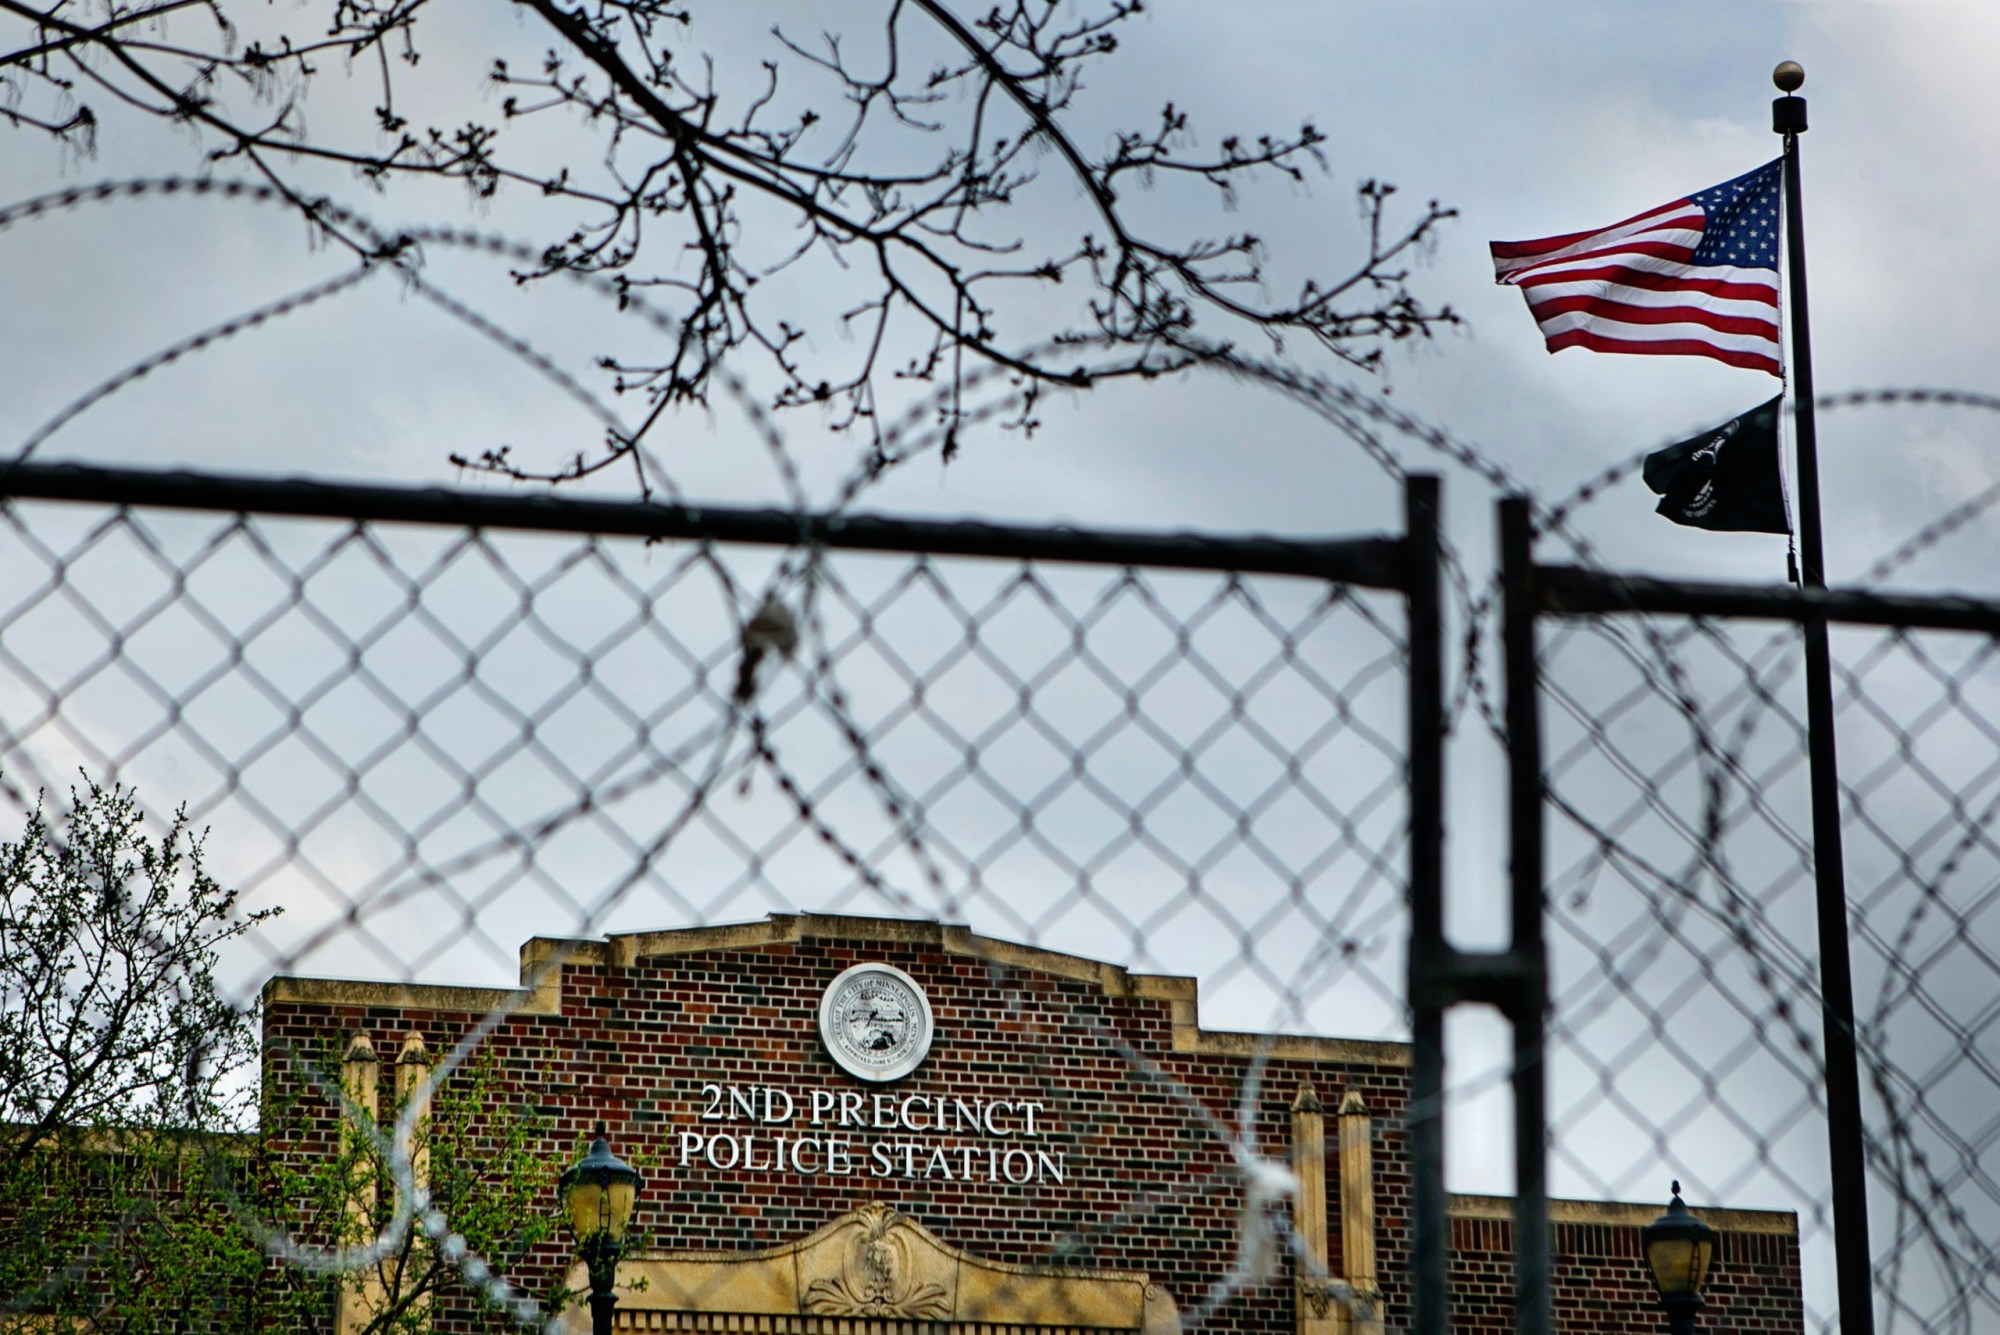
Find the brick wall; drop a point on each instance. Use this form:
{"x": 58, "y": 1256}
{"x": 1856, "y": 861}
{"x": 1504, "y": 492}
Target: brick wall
{"x": 1601, "y": 1284}
{"x": 1120, "y": 1071}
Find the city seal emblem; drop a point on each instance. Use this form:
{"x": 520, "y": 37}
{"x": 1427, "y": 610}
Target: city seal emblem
{"x": 876, "y": 1022}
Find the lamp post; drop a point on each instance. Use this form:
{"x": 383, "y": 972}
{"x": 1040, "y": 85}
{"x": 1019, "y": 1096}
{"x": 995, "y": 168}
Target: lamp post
{"x": 597, "y": 1194}
{"x": 1678, "y": 1249}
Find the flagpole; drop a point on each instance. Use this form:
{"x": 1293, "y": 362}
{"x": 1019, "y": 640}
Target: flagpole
{"x": 1846, "y": 1143}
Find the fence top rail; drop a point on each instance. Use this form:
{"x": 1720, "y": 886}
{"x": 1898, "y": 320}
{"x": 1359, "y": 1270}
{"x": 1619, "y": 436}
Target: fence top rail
{"x": 1377, "y": 562}
{"x": 1574, "y": 591}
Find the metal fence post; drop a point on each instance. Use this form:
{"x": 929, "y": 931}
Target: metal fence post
{"x": 1529, "y": 1001}
{"x": 1428, "y": 961}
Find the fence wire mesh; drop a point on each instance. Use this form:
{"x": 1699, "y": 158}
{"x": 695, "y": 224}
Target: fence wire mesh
{"x": 1687, "y": 1006}
{"x": 418, "y": 740}
{"x": 427, "y": 744}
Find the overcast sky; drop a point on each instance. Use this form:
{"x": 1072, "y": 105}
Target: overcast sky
{"x": 1529, "y": 118}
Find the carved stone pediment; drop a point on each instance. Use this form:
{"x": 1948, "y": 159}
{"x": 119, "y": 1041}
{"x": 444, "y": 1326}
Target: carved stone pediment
{"x": 882, "y": 1267}
{"x": 874, "y": 1264}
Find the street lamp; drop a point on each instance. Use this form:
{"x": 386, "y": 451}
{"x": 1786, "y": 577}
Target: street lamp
{"x": 597, "y": 1194}
{"x": 1678, "y": 1249}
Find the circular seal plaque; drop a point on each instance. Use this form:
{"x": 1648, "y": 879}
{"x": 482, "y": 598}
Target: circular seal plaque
{"x": 875, "y": 1022}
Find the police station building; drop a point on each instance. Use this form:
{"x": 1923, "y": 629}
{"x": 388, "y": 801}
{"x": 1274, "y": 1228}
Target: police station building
{"x": 858, "y": 1126}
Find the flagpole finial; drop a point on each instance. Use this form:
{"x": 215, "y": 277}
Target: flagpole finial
{"x": 1788, "y": 113}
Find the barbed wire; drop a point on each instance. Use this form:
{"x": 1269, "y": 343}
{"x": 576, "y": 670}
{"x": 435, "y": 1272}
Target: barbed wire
{"x": 1721, "y": 695}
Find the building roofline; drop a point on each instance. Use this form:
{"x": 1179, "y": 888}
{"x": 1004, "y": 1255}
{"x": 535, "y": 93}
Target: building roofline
{"x": 543, "y": 959}
{"x": 113, "y": 1138}
{"x": 1627, "y": 1214}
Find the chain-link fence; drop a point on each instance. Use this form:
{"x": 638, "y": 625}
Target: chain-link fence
{"x": 1691, "y": 1024}
{"x": 430, "y": 726}
{"x": 424, "y": 728}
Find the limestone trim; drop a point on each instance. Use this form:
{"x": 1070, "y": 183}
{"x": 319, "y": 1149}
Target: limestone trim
{"x": 1357, "y": 1210}
{"x": 721, "y": 1323}
{"x": 115, "y": 1139}
{"x": 360, "y": 1295}
{"x": 1624, "y": 1214}
{"x": 363, "y": 1294}
{"x": 348, "y": 993}
{"x": 1316, "y": 1307}
{"x": 628, "y": 948}
{"x": 543, "y": 958}
{"x": 875, "y": 1266}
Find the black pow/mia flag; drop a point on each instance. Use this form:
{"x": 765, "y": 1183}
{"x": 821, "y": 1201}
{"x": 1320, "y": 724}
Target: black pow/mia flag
{"x": 1726, "y": 478}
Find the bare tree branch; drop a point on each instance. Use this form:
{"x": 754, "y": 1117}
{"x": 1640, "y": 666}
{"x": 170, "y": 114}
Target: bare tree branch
{"x": 892, "y": 169}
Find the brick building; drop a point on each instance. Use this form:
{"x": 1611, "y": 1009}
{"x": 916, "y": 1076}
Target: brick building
{"x": 855, "y": 1126}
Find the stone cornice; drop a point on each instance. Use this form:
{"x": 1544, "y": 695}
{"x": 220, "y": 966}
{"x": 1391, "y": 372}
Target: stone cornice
{"x": 544, "y": 998}
{"x": 1626, "y": 1214}
{"x": 116, "y": 1139}
{"x": 542, "y": 960}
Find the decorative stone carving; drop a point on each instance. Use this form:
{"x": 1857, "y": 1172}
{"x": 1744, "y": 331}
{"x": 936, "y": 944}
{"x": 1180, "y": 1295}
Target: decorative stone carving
{"x": 876, "y": 1264}
{"x": 1321, "y": 1302}
{"x": 881, "y": 1274}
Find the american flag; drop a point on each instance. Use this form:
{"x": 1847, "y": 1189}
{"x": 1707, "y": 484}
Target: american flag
{"x": 1697, "y": 277}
